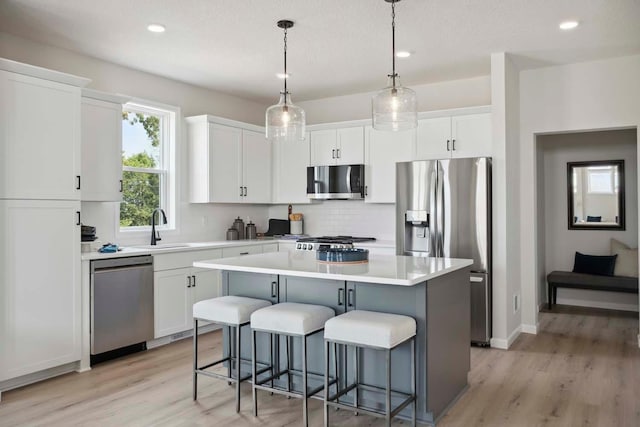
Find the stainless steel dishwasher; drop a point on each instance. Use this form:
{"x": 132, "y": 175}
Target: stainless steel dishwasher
{"x": 121, "y": 306}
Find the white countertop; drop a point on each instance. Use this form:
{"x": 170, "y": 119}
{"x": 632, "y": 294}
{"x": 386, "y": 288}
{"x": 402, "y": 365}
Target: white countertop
{"x": 386, "y": 269}
{"x": 177, "y": 247}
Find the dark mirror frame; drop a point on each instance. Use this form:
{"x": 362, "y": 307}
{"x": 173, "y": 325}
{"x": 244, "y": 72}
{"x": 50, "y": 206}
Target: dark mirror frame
{"x": 621, "y": 192}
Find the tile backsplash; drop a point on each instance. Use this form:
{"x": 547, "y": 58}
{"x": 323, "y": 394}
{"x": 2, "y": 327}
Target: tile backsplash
{"x": 344, "y": 217}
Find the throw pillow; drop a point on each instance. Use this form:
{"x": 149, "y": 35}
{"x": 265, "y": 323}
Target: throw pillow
{"x": 594, "y": 264}
{"x": 627, "y": 261}
{"x": 594, "y": 218}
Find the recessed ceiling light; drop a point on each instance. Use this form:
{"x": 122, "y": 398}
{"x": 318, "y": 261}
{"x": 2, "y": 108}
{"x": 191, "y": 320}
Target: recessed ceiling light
{"x": 283, "y": 75}
{"x": 568, "y": 25}
{"x": 403, "y": 54}
{"x": 156, "y": 28}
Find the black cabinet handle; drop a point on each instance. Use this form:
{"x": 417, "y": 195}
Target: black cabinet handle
{"x": 245, "y": 191}
{"x": 244, "y": 253}
{"x": 453, "y": 145}
{"x": 77, "y": 182}
{"x": 274, "y": 289}
{"x": 240, "y": 191}
{"x": 121, "y": 186}
{"x": 350, "y": 298}
{"x": 193, "y": 283}
{"x": 333, "y": 153}
{"x": 366, "y": 190}
{"x": 448, "y": 145}
{"x": 77, "y": 217}
{"x": 188, "y": 281}
{"x": 338, "y": 153}
{"x": 341, "y": 296}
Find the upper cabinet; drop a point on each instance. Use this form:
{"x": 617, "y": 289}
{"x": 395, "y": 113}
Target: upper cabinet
{"x": 228, "y": 162}
{"x": 40, "y": 137}
{"x": 343, "y": 146}
{"x": 382, "y": 151}
{"x": 454, "y": 137}
{"x": 101, "y": 146}
{"x": 290, "y": 160}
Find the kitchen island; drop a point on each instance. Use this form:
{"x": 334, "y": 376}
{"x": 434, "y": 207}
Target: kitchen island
{"x": 434, "y": 291}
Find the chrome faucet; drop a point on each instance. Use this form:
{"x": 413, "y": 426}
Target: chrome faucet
{"x": 155, "y": 235}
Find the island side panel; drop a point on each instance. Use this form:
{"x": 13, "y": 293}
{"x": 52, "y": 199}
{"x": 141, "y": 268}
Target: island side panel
{"x": 448, "y": 339}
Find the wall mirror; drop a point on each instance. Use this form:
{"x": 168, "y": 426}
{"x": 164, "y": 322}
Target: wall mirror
{"x": 596, "y": 195}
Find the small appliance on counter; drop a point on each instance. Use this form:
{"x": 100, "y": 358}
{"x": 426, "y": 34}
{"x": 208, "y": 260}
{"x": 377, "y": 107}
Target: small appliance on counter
{"x": 278, "y": 227}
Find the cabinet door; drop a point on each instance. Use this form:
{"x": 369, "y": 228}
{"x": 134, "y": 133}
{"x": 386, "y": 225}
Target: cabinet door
{"x": 290, "y": 161}
{"x": 323, "y": 147}
{"x": 206, "y": 284}
{"x": 40, "y": 138}
{"x": 101, "y": 151}
{"x": 434, "y": 139}
{"x": 241, "y": 250}
{"x": 225, "y": 163}
{"x": 173, "y": 306}
{"x": 271, "y": 247}
{"x": 471, "y": 135}
{"x": 39, "y": 286}
{"x": 350, "y": 148}
{"x": 383, "y": 151}
{"x": 256, "y": 155}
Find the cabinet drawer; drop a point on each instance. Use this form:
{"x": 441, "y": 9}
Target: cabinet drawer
{"x": 183, "y": 259}
{"x": 241, "y": 250}
{"x": 271, "y": 247}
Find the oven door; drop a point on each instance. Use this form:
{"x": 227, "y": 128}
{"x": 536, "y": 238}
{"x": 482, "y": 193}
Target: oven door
{"x": 335, "y": 182}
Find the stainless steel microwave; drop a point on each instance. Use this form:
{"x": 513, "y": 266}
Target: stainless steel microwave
{"x": 335, "y": 182}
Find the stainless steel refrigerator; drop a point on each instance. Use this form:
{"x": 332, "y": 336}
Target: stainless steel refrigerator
{"x": 443, "y": 209}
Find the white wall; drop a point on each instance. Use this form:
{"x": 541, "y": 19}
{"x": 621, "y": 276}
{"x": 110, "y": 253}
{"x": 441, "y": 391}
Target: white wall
{"x": 344, "y": 217}
{"x": 560, "y": 243}
{"x": 585, "y": 96}
{"x": 195, "y": 222}
{"x": 435, "y": 96}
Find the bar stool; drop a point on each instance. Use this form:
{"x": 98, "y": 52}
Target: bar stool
{"x": 233, "y": 312}
{"x": 378, "y": 331}
{"x": 291, "y": 320}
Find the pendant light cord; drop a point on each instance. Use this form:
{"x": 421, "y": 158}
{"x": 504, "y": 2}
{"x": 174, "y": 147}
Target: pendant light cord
{"x": 285, "y": 66}
{"x": 393, "y": 42}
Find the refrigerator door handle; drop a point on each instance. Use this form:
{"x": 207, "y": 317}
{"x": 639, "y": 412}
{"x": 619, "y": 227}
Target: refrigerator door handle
{"x": 441, "y": 211}
{"x": 476, "y": 279}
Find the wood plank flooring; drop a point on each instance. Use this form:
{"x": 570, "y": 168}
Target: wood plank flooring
{"x": 582, "y": 369}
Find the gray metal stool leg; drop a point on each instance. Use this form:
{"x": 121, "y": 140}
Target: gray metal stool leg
{"x": 356, "y": 368}
{"x": 195, "y": 359}
{"x": 413, "y": 382}
{"x": 253, "y": 373}
{"x": 230, "y": 349}
{"x": 305, "y": 391}
{"x": 326, "y": 382}
{"x": 388, "y": 389}
{"x": 289, "y": 367}
{"x": 238, "y": 377}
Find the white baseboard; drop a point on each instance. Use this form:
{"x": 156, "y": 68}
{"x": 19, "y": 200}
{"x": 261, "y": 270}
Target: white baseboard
{"x": 504, "y": 344}
{"x": 38, "y": 376}
{"x": 529, "y": 329}
{"x": 181, "y": 335}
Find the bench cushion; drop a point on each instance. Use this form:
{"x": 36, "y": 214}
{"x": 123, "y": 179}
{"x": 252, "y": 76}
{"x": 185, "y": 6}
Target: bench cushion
{"x": 569, "y": 279}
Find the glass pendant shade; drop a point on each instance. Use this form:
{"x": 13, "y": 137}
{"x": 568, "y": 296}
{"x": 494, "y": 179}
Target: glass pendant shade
{"x": 395, "y": 108}
{"x": 285, "y": 121}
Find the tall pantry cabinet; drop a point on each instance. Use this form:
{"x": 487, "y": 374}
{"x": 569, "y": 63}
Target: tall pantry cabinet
{"x": 40, "y": 181}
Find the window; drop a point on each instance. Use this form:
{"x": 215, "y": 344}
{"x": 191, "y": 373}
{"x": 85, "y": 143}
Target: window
{"x": 148, "y": 167}
{"x": 602, "y": 180}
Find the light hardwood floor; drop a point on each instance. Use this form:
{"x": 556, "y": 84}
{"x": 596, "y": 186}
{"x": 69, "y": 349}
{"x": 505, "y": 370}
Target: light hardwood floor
{"x": 582, "y": 369}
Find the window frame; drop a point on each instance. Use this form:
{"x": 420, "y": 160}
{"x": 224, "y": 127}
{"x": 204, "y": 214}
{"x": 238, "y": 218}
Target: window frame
{"x": 167, "y": 170}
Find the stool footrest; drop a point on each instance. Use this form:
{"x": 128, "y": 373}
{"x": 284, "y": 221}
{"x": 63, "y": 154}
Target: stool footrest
{"x": 331, "y": 400}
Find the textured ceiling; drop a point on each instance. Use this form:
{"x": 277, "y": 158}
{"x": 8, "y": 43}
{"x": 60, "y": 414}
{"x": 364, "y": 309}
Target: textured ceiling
{"x": 336, "y": 47}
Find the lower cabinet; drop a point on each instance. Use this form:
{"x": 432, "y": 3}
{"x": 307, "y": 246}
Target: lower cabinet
{"x": 40, "y": 312}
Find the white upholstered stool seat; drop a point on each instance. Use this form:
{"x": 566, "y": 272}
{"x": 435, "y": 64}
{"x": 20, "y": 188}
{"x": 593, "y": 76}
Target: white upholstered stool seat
{"x": 230, "y": 310}
{"x": 370, "y": 328}
{"x": 291, "y": 318}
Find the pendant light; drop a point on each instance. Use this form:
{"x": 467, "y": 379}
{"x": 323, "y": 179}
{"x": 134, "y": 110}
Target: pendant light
{"x": 285, "y": 121}
{"x": 394, "y": 108}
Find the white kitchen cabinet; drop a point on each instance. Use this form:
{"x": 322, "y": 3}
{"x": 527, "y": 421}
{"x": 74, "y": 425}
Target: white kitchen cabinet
{"x": 383, "y": 150}
{"x": 177, "y": 289}
{"x": 235, "y": 251}
{"x": 343, "y": 146}
{"x": 290, "y": 160}
{"x": 40, "y": 138}
{"x": 286, "y": 246}
{"x": 39, "y": 285}
{"x": 454, "y": 137}
{"x": 101, "y": 146}
{"x": 271, "y": 247}
{"x": 227, "y": 163}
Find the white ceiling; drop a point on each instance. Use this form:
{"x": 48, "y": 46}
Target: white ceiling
{"x": 336, "y": 47}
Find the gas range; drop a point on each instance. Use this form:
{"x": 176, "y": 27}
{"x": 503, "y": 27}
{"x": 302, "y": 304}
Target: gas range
{"x": 329, "y": 242}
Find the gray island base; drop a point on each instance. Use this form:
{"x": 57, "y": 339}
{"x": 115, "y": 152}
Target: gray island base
{"x": 439, "y": 304}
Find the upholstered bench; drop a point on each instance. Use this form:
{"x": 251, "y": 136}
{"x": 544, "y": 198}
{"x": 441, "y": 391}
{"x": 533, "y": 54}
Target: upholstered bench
{"x": 568, "y": 279}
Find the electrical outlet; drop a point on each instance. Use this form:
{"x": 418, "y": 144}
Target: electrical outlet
{"x": 516, "y": 303}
